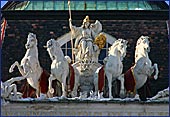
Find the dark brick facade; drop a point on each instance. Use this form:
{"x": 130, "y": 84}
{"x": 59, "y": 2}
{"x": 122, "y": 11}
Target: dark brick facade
{"x": 16, "y": 33}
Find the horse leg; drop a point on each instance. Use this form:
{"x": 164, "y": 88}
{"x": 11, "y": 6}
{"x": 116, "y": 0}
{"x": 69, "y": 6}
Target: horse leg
{"x": 11, "y": 69}
{"x": 96, "y": 84}
{"x": 37, "y": 93}
{"x": 49, "y": 95}
{"x": 43, "y": 96}
{"x": 51, "y": 78}
{"x": 122, "y": 90}
{"x": 100, "y": 95}
{"x": 64, "y": 92}
{"x": 156, "y": 71}
{"x": 40, "y": 95}
{"x": 76, "y": 84}
{"x": 109, "y": 77}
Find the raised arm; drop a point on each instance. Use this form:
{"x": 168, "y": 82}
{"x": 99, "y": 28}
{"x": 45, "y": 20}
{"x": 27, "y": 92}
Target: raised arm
{"x": 70, "y": 25}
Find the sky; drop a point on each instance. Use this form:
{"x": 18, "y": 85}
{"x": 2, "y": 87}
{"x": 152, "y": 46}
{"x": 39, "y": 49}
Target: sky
{"x": 4, "y": 2}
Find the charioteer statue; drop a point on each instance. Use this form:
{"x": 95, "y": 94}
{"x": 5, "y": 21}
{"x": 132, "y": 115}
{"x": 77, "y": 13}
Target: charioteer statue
{"x": 89, "y": 40}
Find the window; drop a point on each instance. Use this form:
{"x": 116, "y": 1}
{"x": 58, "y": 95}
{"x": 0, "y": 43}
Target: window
{"x": 59, "y": 5}
{"x": 90, "y": 5}
{"x": 133, "y": 5}
{"x": 122, "y": 5}
{"x": 37, "y": 5}
{"x": 49, "y": 5}
{"x": 67, "y": 50}
{"x": 29, "y": 6}
{"x": 80, "y": 5}
{"x": 101, "y": 5}
{"x": 111, "y": 5}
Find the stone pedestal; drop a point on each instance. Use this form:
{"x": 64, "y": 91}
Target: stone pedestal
{"x": 86, "y": 75}
{"x": 85, "y": 108}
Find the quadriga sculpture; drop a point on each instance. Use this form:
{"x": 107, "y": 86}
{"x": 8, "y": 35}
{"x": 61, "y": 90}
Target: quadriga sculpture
{"x": 37, "y": 77}
{"x": 112, "y": 66}
{"x": 61, "y": 69}
{"x": 137, "y": 75}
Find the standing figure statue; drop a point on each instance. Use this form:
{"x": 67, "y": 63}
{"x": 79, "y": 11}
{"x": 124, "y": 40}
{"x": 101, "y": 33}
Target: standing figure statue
{"x": 84, "y": 47}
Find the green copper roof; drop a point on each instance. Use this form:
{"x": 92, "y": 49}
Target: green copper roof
{"x": 85, "y": 5}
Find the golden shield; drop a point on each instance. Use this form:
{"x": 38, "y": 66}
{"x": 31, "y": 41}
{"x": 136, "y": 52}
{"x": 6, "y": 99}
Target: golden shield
{"x": 100, "y": 40}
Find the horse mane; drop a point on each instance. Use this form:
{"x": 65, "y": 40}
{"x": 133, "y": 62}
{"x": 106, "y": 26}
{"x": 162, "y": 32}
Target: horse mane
{"x": 116, "y": 43}
{"x": 32, "y": 35}
{"x": 58, "y": 50}
{"x": 58, "y": 47}
{"x": 140, "y": 40}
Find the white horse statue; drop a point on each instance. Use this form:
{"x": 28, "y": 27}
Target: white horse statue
{"x": 137, "y": 75}
{"x": 60, "y": 68}
{"x": 112, "y": 64}
{"x": 30, "y": 65}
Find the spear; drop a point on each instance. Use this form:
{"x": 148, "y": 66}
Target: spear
{"x": 69, "y": 8}
{"x": 71, "y": 34}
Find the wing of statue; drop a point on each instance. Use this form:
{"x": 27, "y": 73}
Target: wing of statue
{"x": 67, "y": 37}
{"x": 109, "y": 38}
{"x": 96, "y": 27}
{"x": 64, "y": 38}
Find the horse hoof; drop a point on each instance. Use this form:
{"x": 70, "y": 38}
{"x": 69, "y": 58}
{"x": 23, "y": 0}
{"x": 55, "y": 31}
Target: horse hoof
{"x": 74, "y": 94}
{"x": 122, "y": 95}
{"x": 111, "y": 97}
{"x": 63, "y": 97}
{"x": 11, "y": 70}
{"x": 51, "y": 90}
{"x": 155, "y": 77}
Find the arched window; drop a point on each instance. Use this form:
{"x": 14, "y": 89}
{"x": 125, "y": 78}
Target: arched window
{"x": 66, "y": 46}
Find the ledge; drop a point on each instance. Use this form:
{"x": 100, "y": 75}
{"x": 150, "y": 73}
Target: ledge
{"x": 84, "y": 108}
{"x": 114, "y": 101}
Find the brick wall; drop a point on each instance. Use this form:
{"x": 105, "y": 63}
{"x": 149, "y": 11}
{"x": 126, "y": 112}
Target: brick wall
{"x": 16, "y": 33}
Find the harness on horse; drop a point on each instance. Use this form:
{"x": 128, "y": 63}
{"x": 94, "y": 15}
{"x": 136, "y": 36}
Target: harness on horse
{"x": 130, "y": 82}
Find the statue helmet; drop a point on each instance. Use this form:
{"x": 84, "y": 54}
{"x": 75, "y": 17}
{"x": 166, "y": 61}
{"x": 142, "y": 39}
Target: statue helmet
{"x": 86, "y": 19}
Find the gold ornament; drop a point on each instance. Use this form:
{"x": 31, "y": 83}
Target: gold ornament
{"x": 100, "y": 40}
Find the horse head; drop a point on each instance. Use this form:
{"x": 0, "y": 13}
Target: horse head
{"x": 120, "y": 46}
{"x": 53, "y": 48}
{"x": 31, "y": 41}
{"x": 143, "y": 41}
{"x": 51, "y": 44}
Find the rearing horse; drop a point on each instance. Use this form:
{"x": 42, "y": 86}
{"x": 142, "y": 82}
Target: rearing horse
{"x": 30, "y": 65}
{"x": 137, "y": 75}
